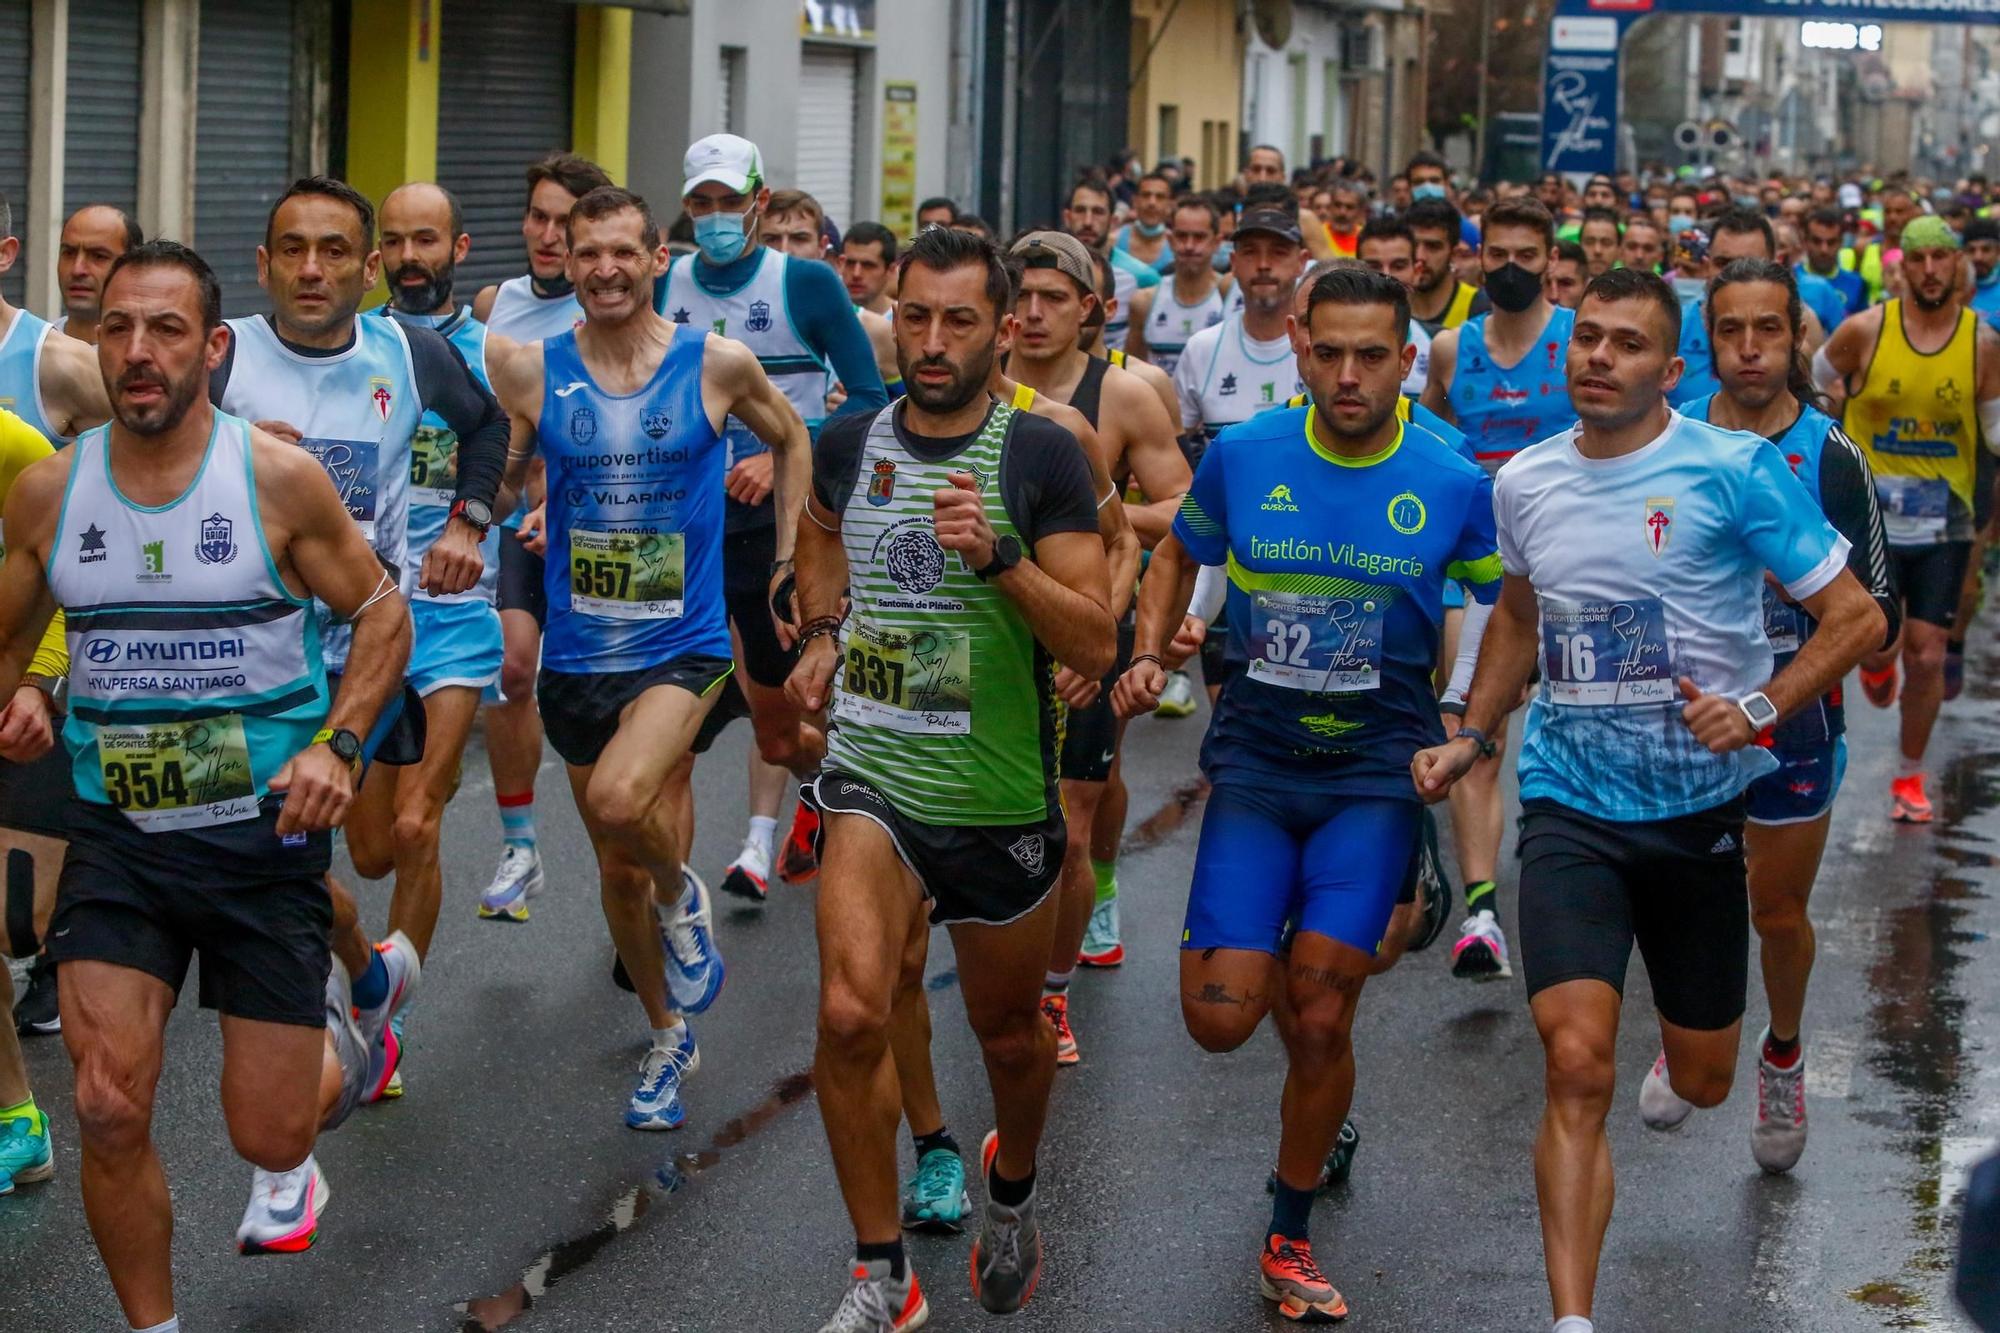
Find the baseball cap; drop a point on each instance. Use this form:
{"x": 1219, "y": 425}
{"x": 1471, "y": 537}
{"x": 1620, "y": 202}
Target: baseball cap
{"x": 1057, "y": 250}
{"x": 1272, "y": 221}
{"x": 726, "y": 159}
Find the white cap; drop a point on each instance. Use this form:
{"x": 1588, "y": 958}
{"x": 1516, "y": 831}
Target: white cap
{"x": 724, "y": 158}
{"x": 1850, "y": 195}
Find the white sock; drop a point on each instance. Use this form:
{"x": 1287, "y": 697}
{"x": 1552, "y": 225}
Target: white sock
{"x": 667, "y": 1038}
{"x": 173, "y": 1325}
{"x": 1910, "y": 765}
{"x": 1572, "y": 1323}
{"x": 763, "y": 831}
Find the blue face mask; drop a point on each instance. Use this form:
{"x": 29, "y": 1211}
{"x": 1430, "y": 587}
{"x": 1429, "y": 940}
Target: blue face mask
{"x": 720, "y": 236}
{"x": 1678, "y": 223}
{"x": 1149, "y": 230}
{"x": 1428, "y": 190}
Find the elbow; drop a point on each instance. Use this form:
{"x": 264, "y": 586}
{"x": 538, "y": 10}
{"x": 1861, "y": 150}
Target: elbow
{"x": 1095, "y": 658}
{"x": 1877, "y": 624}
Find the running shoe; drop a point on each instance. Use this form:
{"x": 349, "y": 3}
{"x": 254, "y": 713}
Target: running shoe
{"x": 27, "y": 1156}
{"x": 1778, "y": 1135}
{"x": 656, "y": 1101}
{"x": 1177, "y": 699}
{"x": 694, "y": 966}
{"x": 934, "y": 1199}
{"x": 1879, "y": 686}
{"x": 1954, "y": 670}
{"x": 1288, "y": 1274}
{"x": 1481, "y": 951}
{"x": 799, "y": 863}
{"x": 1007, "y": 1257}
{"x": 350, "y": 1050}
{"x": 518, "y": 879}
{"x": 37, "y": 1013}
{"x": 1907, "y": 802}
{"x": 1659, "y": 1105}
{"x": 1055, "y": 1008}
{"x": 1101, "y": 945}
{"x": 749, "y": 875}
{"x": 377, "y": 1023}
{"x": 879, "y": 1303}
{"x": 285, "y": 1207}
{"x": 1433, "y": 889}
{"x": 1339, "y": 1162}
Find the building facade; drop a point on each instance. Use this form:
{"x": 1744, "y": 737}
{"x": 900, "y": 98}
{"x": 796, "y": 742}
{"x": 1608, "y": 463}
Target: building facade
{"x": 1349, "y": 81}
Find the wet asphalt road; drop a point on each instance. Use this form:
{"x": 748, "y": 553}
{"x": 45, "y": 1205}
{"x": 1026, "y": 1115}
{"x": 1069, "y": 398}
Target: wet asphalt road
{"x": 502, "y": 1191}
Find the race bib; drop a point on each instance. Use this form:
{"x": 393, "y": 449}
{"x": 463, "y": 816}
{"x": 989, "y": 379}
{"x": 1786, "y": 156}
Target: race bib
{"x": 1596, "y": 654}
{"x": 1915, "y": 510}
{"x": 626, "y": 575}
{"x": 434, "y": 467}
{"x": 1784, "y": 622}
{"x": 915, "y": 681}
{"x": 178, "y": 775}
{"x": 351, "y": 465}
{"x": 1322, "y": 644}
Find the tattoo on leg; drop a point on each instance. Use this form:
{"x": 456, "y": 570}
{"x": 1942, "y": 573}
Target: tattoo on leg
{"x": 1214, "y": 992}
{"x": 1326, "y": 978}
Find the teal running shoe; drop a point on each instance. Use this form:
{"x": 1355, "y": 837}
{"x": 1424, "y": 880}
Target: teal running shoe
{"x": 25, "y": 1154}
{"x": 1339, "y": 1162}
{"x": 935, "y": 1199}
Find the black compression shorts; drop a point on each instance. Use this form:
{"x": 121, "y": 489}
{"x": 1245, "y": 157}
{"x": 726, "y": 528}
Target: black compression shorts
{"x": 580, "y": 712}
{"x": 1090, "y": 735}
{"x": 522, "y": 574}
{"x": 1930, "y": 579}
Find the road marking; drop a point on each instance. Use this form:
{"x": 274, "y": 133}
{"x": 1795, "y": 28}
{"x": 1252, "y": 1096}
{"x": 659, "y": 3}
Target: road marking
{"x": 1830, "y": 1063}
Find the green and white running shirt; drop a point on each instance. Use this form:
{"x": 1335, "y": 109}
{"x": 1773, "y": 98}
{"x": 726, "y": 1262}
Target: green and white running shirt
{"x": 943, "y": 700}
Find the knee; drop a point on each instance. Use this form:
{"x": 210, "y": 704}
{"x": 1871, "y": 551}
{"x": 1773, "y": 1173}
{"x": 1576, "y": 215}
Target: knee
{"x": 1322, "y": 1031}
{"x": 619, "y": 805}
{"x": 781, "y": 746}
{"x": 852, "y": 1024}
{"x": 1782, "y": 918}
{"x": 1924, "y": 654}
{"x": 1702, "y": 1085}
{"x": 1581, "y": 1070}
{"x": 1218, "y": 1033}
{"x": 517, "y": 679}
{"x": 271, "y": 1145}
{"x": 373, "y": 857}
{"x": 417, "y": 827}
{"x": 114, "y": 1109}
{"x": 1016, "y": 1041}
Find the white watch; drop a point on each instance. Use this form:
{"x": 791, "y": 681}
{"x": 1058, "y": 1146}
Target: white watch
{"x": 1760, "y": 710}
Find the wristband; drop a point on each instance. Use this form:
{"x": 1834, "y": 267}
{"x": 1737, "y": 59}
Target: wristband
{"x": 1449, "y": 707}
{"x": 1486, "y": 747}
{"x": 781, "y": 595}
{"x": 1154, "y": 658}
{"x": 818, "y": 626}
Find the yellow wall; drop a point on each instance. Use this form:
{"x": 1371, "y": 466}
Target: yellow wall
{"x": 603, "y": 112}
{"x": 1197, "y": 67}
{"x": 392, "y": 97}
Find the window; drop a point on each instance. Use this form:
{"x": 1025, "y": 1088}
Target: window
{"x": 1169, "y": 140}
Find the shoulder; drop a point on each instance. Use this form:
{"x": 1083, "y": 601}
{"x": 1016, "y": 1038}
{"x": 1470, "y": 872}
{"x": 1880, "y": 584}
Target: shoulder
{"x": 1535, "y": 464}
{"x": 720, "y": 356}
{"x": 1433, "y": 453}
{"x": 1444, "y": 343}
{"x": 814, "y": 282}
{"x": 843, "y": 433}
{"x": 41, "y": 473}
{"x": 286, "y": 474}
{"x": 1123, "y": 387}
{"x": 482, "y": 304}
{"x": 1203, "y": 342}
{"x": 1284, "y": 423}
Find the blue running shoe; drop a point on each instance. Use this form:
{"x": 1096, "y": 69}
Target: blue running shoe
{"x": 935, "y": 1199}
{"x": 656, "y": 1101}
{"x": 25, "y": 1155}
{"x": 694, "y": 967}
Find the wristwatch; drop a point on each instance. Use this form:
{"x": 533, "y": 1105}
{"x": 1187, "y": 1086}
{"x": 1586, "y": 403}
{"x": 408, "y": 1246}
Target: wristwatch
{"x": 344, "y": 744}
{"x": 1760, "y": 710}
{"x": 1486, "y": 746}
{"x": 54, "y": 688}
{"x": 476, "y": 512}
{"x": 1006, "y": 555}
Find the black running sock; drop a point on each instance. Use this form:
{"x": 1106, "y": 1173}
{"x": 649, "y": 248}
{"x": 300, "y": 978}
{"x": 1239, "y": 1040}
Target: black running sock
{"x": 892, "y": 1250}
{"x": 1009, "y": 1193}
{"x": 1780, "y": 1052}
{"x": 1482, "y": 895}
{"x": 939, "y": 1139}
{"x": 1290, "y": 1211}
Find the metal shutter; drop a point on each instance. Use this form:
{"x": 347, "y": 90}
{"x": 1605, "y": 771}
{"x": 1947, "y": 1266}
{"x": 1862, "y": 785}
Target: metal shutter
{"x": 503, "y": 102}
{"x": 828, "y": 80}
{"x": 243, "y": 137}
{"x": 101, "y": 142}
{"x": 16, "y": 32}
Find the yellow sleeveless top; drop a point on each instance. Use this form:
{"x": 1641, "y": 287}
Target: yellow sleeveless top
{"x": 1916, "y": 419}
{"x": 1460, "y": 308}
{"x": 20, "y": 446}
{"x": 1024, "y": 397}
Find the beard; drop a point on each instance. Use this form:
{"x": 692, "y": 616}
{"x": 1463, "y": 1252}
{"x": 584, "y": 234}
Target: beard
{"x": 967, "y": 381}
{"x": 1323, "y": 413}
{"x": 424, "y": 298}
{"x": 155, "y": 418}
{"x": 1929, "y": 303}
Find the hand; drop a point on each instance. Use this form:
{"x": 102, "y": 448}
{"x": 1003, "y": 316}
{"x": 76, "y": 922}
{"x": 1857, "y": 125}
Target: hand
{"x": 284, "y": 430}
{"x": 534, "y": 531}
{"x": 1715, "y": 721}
{"x": 318, "y": 787}
{"x": 454, "y": 562}
{"x": 960, "y": 517}
{"x": 1187, "y": 641}
{"x": 1436, "y": 769}
{"x": 787, "y": 624}
{"x": 835, "y": 397}
{"x": 1138, "y": 690}
{"x": 750, "y": 480}
{"x": 26, "y": 732}
{"x": 811, "y": 683}
{"x": 1076, "y": 691}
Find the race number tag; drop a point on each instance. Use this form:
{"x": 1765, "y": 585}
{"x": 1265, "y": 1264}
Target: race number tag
{"x": 626, "y": 575}
{"x": 1784, "y": 622}
{"x": 177, "y": 775}
{"x": 915, "y": 681}
{"x": 1915, "y": 510}
{"x": 351, "y": 465}
{"x": 1595, "y": 654}
{"x": 1323, "y": 644}
{"x": 434, "y": 467}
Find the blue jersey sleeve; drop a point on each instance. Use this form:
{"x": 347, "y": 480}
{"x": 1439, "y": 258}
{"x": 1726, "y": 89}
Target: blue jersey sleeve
{"x": 825, "y": 317}
{"x": 1201, "y": 523}
{"x": 1783, "y": 528}
{"x": 1475, "y": 560}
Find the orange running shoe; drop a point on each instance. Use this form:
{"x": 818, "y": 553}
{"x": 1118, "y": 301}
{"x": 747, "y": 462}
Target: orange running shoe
{"x": 799, "y": 863}
{"x": 1907, "y": 802}
{"x": 1055, "y": 1008}
{"x": 1290, "y": 1277}
{"x": 1879, "y": 686}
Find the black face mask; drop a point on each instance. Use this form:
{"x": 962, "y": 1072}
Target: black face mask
{"x": 1512, "y": 288}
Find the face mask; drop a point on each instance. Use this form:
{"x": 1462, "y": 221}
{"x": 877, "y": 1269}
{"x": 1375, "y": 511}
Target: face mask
{"x": 1678, "y": 223}
{"x": 1512, "y": 288}
{"x": 1749, "y": 201}
{"x": 1150, "y": 229}
{"x": 1690, "y": 289}
{"x": 1223, "y": 253}
{"x": 720, "y": 236}
{"x": 1428, "y": 190}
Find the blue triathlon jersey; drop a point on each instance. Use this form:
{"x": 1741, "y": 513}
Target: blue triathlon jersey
{"x": 1337, "y": 569}
{"x": 1647, "y": 568}
{"x": 1416, "y": 414}
{"x": 634, "y": 570}
{"x": 1698, "y": 375}
{"x": 1504, "y": 409}
{"x": 1986, "y": 299}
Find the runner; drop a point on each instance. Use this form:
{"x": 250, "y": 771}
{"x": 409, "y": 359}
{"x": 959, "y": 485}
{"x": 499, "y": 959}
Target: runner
{"x": 92, "y": 238}
{"x": 1308, "y": 821}
{"x": 867, "y": 255}
{"x": 49, "y": 381}
{"x": 1163, "y": 318}
{"x": 1737, "y": 233}
{"x": 1439, "y": 300}
{"x": 940, "y": 791}
{"x": 629, "y": 411}
{"x": 1981, "y": 238}
{"x": 1568, "y": 274}
{"x": 1388, "y": 246}
{"x": 1755, "y": 324}
{"x": 1087, "y": 216}
{"x": 1644, "y": 246}
{"x": 796, "y": 225}
{"x": 1825, "y": 230}
{"x": 1499, "y": 379}
{"x": 1347, "y": 209}
{"x": 1921, "y": 375}
{"x": 539, "y": 304}
{"x": 1632, "y": 787}
{"x": 937, "y": 211}
{"x": 207, "y": 797}
{"x": 1145, "y": 237}
{"x": 1600, "y": 237}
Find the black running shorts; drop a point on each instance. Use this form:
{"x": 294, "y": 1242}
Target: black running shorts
{"x": 1090, "y": 735}
{"x": 580, "y": 711}
{"x": 1590, "y": 889}
{"x": 521, "y": 579}
{"x": 1929, "y": 578}
{"x": 747, "y": 557}
{"x": 36, "y": 797}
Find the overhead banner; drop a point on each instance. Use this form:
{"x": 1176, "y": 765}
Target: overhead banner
{"x": 1580, "y": 103}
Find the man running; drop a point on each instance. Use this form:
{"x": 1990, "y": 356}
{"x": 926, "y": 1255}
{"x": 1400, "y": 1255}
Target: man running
{"x": 965, "y": 532}
{"x": 1438, "y": 300}
{"x": 1739, "y": 233}
{"x": 93, "y": 237}
{"x": 1825, "y": 232}
{"x": 1639, "y": 541}
{"x": 629, "y": 412}
{"x": 1599, "y": 236}
{"x": 1981, "y": 239}
{"x": 1087, "y": 216}
{"x": 1388, "y": 246}
{"x": 49, "y": 381}
{"x": 1145, "y": 237}
{"x": 1921, "y": 375}
{"x": 1163, "y": 318}
{"x": 1568, "y": 274}
{"x": 208, "y": 789}
{"x": 539, "y": 304}
{"x": 867, "y": 254}
{"x": 1310, "y": 821}
{"x": 1500, "y": 379}
{"x": 1643, "y": 246}
{"x": 1754, "y": 314}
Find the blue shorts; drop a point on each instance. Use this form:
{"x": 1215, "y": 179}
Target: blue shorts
{"x": 456, "y": 643}
{"x": 1803, "y": 788}
{"x": 1329, "y": 864}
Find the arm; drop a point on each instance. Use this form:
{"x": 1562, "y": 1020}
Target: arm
{"x": 1152, "y": 455}
{"x": 1847, "y": 494}
{"x": 1437, "y": 389}
{"x": 734, "y": 384}
{"x": 1986, "y": 359}
{"x": 1163, "y": 603}
{"x": 482, "y": 304}
{"x": 446, "y": 385}
{"x": 73, "y": 385}
{"x": 28, "y": 613}
{"x": 826, "y": 320}
{"x": 882, "y": 337}
{"x": 517, "y": 383}
{"x": 1135, "y": 330}
{"x": 1506, "y": 661}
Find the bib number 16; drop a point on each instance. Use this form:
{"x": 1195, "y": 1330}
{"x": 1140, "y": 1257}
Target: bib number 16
{"x": 1579, "y": 655}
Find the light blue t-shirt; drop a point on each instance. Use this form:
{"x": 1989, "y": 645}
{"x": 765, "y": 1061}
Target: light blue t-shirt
{"x": 1647, "y": 568}
{"x": 1986, "y": 299}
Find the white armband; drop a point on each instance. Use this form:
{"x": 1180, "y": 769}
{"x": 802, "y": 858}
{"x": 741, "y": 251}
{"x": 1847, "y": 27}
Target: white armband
{"x": 1824, "y": 377}
{"x": 1470, "y": 631}
{"x": 1989, "y": 422}
{"x": 1211, "y": 585}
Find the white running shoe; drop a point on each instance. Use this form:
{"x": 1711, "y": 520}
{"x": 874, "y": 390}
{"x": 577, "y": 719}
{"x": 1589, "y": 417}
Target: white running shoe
{"x": 1481, "y": 951}
{"x": 1177, "y": 700}
{"x": 1659, "y": 1105}
{"x": 749, "y": 875}
{"x": 518, "y": 879}
{"x": 694, "y": 966}
{"x": 285, "y": 1207}
{"x": 1778, "y": 1136}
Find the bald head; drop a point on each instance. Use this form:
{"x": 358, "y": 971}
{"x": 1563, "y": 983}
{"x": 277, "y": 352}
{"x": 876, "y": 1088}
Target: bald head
{"x": 423, "y": 240}
{"x": 92, "y": 239}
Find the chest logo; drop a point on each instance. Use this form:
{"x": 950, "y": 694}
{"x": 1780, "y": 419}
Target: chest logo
{"x": 721, "y": 327}
{"x": 92, "y": 551}
{"x": 381, "y": 396}
{"x": 759, "y": 318}
{"x": 1659, "y": 525}
{"x": 1027, "y": 850}
{"x": 218, "y": 541}
{"x": 583, "y": 425}
{"x": 1280, "y": 501}
{"x": 656, "y": 424}
{"x": 1947, "y": 392}
{"x": 915, "y": 560}
{"x": 1406, "y": 514}
{"x": 882, "y": 486}
{"x": 154, "y": 554}
{"x": 681, "y": 315}
{"x": 1228, "y": 387}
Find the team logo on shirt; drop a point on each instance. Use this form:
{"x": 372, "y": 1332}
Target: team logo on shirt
{"x": 1659, "y": 525}
{"x": 218, "y": 541}
{"x": 1228, "y": 387}
{"x": 154, "y": 554}
{"x": 1280, "y": 501}
{"x": 882, "y": 486}
{"x": 914, "y": 559}
{"x": 1406, "y": 514}
{"x": 381, "y": 395}
{"x": 759, "y": 318}
{"x": 583, "y": 425}
{"x": 92, "y": 551}
{"x": 656, "y": 424}
{"x": 1947, "y": 392}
